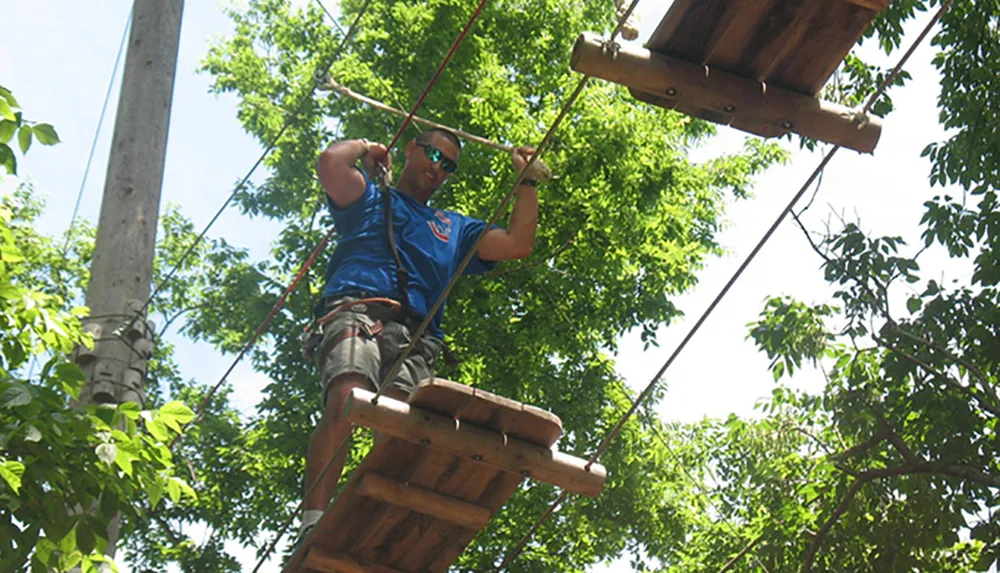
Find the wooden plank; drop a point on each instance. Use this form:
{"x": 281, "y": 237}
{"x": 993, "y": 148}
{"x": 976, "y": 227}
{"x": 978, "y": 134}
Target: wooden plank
{"x": 429, "y": 541}
{"x": 390, "y": 457}
{"x": 792, "y": 44}
{"x": 424, "y": 501}
{"x": 875, "y": 5}
{"x": 649, "y": 72}
{"x": 320, "y": 559}
{"x": 499, "y": 489}
{"x": 733, "y": 32}
{"x": 825, "y": 44}
{"x": 780, "y": 32}
{"x": 685, "y": 29}
{"x": 399, "y": 419}
{"x": 487, "y": 410}
{"x": 382, "y": 531}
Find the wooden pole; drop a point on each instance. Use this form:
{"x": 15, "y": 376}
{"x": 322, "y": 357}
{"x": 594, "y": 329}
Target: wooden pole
{"x": 122, "y": 266}
{"x": 723, "y": 97}
{"x": 432, "y": 430}
{"x": 538, "y": 169}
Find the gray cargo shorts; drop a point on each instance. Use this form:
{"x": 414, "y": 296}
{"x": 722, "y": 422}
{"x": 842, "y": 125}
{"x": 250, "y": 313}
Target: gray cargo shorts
{"x": 365, "y": 339}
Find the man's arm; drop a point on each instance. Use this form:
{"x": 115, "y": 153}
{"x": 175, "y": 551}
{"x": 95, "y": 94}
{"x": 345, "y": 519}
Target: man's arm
{"x": 517, "y": 241}
{"x": 336, "y": 172}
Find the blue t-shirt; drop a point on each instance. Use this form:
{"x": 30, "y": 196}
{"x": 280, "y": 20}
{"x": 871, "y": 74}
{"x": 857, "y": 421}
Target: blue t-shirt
{"x": 431, "y": 243}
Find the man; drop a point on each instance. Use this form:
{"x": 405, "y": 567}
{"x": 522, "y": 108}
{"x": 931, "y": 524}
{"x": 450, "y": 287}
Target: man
{"x": 366, "y": 325}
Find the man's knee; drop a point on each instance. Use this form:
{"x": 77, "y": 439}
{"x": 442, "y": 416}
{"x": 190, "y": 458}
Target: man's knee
{"x": 337, "y": 391}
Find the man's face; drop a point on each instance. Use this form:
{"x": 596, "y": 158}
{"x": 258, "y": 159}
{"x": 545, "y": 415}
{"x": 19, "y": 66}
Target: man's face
{"x": 426, "y": 164}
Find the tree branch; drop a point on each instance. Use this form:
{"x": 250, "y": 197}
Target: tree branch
{"x": 954, "y": 470}
{"x": 985, "y": 404}
{"x": 823, "y": 531}
{"x": 729, "y": 564}
{"x": 864, "y": 446}
{"x": 983, "y": 380}
{"x": 174, "y": 537}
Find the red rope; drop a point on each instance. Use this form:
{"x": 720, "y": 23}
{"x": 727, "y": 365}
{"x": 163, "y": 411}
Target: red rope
{"x": 260, "y": 330}
{"x": 430, "y": 84}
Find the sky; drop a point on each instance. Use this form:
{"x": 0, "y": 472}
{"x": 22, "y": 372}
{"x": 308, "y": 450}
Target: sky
{"x": 58, "y": 61}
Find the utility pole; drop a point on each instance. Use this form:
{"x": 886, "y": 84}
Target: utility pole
{"x": 122, "y": 267}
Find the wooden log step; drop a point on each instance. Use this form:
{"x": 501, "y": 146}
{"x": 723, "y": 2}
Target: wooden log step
{"x": 320, "y": 559}
{"x": 424, "y": 501}
{"x": 697, "y": 87}
{"x": 400, "y": 420}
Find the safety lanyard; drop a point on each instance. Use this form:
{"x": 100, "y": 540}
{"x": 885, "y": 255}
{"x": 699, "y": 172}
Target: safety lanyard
{"x": 402, "y": 276}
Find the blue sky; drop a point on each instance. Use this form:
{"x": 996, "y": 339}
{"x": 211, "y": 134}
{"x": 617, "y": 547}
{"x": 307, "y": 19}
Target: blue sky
{"x": 58, "y": 60}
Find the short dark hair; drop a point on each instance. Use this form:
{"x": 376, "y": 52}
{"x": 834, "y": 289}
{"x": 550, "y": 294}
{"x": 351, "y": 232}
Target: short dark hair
{"x": 425, "y": 136}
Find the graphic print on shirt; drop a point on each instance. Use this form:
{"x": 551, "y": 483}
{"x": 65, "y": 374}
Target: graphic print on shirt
{"x": 441, "y": 226}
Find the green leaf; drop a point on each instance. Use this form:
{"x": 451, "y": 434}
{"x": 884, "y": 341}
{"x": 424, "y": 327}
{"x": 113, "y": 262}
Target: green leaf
{"x": 85, "y": 538}
{"x": 44, "y": 549}
{"x": 10, "y": 254}
{"x": 5, "y": 111}
{"x": 158, "y": 429}
{"x": 127, "y": 453}
{"x": 185, "y": 489}
{"x": 779, "y": 369}
{"x": 985, "y": 562}
{"x": 108, "y": 453}
{"x": 32, "y": 434}
{"x": 155, "y": 492}
{"x": 173, "y": 490}
{"x": 46, "y": 134}
{"x": 71, "y": 378}
{"x": 5, "y": 94}
{"x": 109, "y": 502}
{"x": 913, "y": 304}
{"x": 7, "y": 130}
{"x": 173, "y": 414}
{"x": 11, "y": 472}
{"x": 24, "y": 138}
{"x": 17, "y": 395}
{"x": 130, "y": 410}
{"x": 68, "y": 543}
{"x": 7, "y": 159}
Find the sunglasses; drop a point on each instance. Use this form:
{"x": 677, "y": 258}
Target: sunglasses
{"x": 436, "y": 155}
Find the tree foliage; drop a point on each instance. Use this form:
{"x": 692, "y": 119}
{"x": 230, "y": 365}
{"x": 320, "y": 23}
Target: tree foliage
{"x": 58, "y": 459}
{"x": 892, "y": 467}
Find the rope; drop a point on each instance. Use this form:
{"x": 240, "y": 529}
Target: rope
{"x": 289, "y": 120}
{"x": 90, "y": 160}
{"x": 621, "y": 387}
{"x": 378, "y": 78}
{"x": 437, "y": 74}
{"x": 729, "y": 284}
{"x": 256, "y": 335}
{"x": 97, "y": 132}
{"x": 334, "y": 86}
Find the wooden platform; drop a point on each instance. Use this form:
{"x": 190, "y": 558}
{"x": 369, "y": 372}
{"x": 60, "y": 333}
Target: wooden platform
{"x": 453, "y": 456}
{"x": 776, "y": 51}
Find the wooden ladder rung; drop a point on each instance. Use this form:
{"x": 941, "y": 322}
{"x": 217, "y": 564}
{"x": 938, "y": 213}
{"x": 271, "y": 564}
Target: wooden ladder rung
{"x": 424, "y": 501}
{"x": 320, "y": 559}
